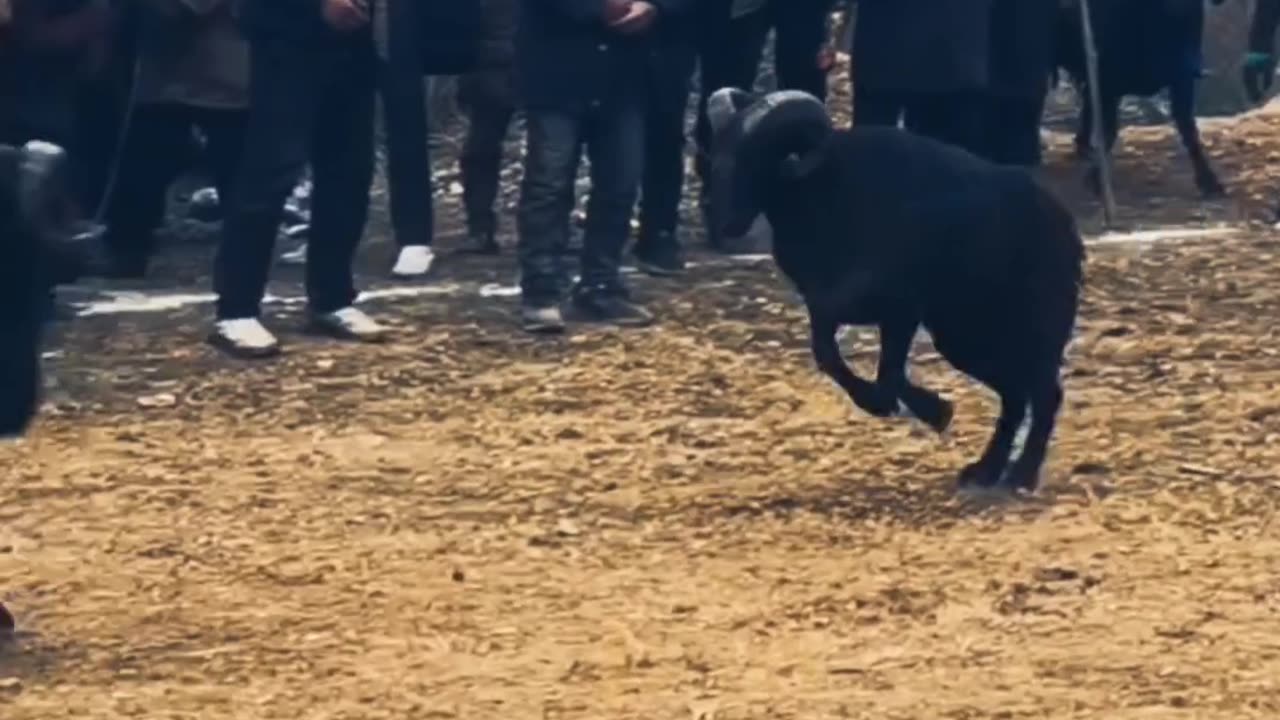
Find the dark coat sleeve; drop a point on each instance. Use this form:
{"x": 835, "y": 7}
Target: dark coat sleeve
{"x": 673, "y": 7}
{"x": 583, "y": 11}
{"x": 295, "y": 18}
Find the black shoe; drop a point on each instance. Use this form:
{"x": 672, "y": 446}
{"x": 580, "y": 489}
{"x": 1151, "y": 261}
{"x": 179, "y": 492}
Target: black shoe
{"x": 126, "y": 268}
{"x": 609, "y": 304}
{"x": 661, "y": 256}
{"x": 480, "y": 242}
{"x": 541, "y": 319}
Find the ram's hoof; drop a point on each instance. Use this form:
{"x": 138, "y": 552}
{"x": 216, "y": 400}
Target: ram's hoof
{"x": 978, "y": 475}
{"x": 1211, "y": 189}
{"x": 946, "y": 413}
{"x": 1022, "y": 479}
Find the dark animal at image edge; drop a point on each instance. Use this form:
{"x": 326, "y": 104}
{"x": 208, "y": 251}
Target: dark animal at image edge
{"x": 1144, "y": 47}
{"x": 40, "y": 247}
{"x": 876, "y": 226}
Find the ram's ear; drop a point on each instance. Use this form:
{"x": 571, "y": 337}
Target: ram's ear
{"x": 799, "y": 167}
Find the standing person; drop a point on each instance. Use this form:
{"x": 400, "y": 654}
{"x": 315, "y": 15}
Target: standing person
{"x": 730, "y": 36}
{"x": 1021, "y": 62}
{"x": 193, "y": 72}
{"x": 923, "y": 62}
{"x": 581, "y": 68}
{"x": 312, "y": 83}
{"x": 488, "y": 97}
{"x": 671, "y": 63}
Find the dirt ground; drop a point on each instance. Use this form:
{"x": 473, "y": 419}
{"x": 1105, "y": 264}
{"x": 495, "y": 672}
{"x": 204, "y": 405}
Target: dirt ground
{"x": 680, "y": 522}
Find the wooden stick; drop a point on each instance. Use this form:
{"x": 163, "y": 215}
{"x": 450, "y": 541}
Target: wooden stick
{"x": 1099, "y": 151}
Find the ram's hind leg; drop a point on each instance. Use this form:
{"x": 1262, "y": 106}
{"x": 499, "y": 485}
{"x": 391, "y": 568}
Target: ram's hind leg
{"x": 1182, "y": 106}
{"x": 1046, "y": 399}
{"x": 986, "y": 472}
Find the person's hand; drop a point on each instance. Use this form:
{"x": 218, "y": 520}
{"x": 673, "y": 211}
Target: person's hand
{"x": 1258, "y": 74}
{"x": 639, "y": 17}
{"x": 345, "y": 15}
{"x": 615, "y": 10}
{"x": 826, "y": 58}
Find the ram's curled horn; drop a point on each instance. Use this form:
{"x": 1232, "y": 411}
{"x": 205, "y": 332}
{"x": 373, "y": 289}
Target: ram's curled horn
{"x": 779, "y": 98}
{"x": 796, "y": 123}
{"x": 723, "y": 105}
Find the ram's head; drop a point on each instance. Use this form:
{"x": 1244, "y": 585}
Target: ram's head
{"x": 758, "y": 144}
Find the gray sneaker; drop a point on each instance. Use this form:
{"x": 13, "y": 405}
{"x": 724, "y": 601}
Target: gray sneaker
{"x": 244, "y": 338}
{"x": 542, "y": 320}
{"x": 348, "y": 323}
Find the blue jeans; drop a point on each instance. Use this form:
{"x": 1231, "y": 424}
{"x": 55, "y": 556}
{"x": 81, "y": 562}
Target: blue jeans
{"x": 613, "y": 137}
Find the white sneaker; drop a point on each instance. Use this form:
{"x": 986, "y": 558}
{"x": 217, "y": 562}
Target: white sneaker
{"x": 349, "y": 323}
{"x": 414, "y": 261}
{"x": 244, "y": 337}
{"x": 296, "y": 256}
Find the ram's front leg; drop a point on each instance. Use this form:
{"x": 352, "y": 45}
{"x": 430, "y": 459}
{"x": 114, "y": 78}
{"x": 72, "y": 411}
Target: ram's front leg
{"x": 896, "y": 335}
{"x": 826, "y": 351}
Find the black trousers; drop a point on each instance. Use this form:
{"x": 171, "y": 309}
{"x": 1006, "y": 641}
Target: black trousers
{"x": 954, "y": 118}
{"x": 1012, "y": 130}
{"x": 156, "y": 151}
{"x": 308, "y": 102}
{"x": 729, "y": 53}
{"x": 613, "y": 136}
{"x": 663, "y": 182}
{"x": 404, "y": 115}
{"x": 488, "y": 98}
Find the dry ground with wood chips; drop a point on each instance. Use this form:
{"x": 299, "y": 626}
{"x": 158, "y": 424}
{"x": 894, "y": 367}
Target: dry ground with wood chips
{"x": 681, "y": 522}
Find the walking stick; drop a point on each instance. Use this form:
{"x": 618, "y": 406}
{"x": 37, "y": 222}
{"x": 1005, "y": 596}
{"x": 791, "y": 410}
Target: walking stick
{"x": 1099, "y": 153}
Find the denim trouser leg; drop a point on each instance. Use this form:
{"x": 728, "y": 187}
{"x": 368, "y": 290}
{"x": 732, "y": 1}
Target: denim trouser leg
{"x": 615, "y": 145}
{"x": 546, "y": 199}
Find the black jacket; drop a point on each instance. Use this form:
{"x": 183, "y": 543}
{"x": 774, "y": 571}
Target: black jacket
{"x": 298, "y": 19}
{"x": 498, "y": 37}
{"x": 922, "y": 45}
{"x": 568, "y": 59}
{"x": 1023, "y": 33}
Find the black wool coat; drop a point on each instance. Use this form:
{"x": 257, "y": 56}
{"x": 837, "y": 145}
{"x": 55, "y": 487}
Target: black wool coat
{"x": 568, "y": 59}
{"x": 922, "y": 45}
{"x": 1023, "y": 33}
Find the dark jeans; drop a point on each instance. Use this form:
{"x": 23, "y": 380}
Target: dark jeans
{"x": 614, "y": 141}
{"x": 488, "y": 97}
{"x": 308, "y": 102}
{"x": 404, "y": 115}
{"x": 953, "y": 118}
{"x": 1012, "y": 131}
{"x": 729, "y": 53}
{"x": 156, "y": 151}
{"x": 663, "y": 183}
